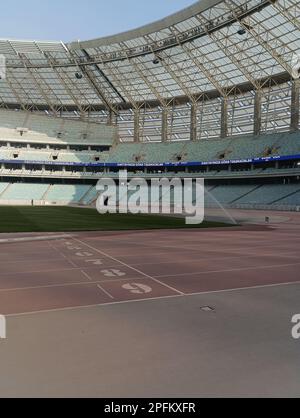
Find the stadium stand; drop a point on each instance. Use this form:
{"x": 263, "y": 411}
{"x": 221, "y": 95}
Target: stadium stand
{"x": 30, "y": 127}
{"x": 196, "y": 110}
{"x": 209, "y": 150}
{"x": 66, "y": 193}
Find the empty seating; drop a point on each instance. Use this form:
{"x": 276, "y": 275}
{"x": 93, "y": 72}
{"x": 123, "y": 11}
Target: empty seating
{"x": 30, "y": 126}
{"x": 229, "y": 194}
{"x": 238, "y": 148}
{"x": 66, "y": 193}
{"x": 24, "y": 191}
{"x": 268, "y": 194}
{"x": 90, "y": 196}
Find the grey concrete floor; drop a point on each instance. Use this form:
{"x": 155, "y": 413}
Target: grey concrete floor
{"x": 158, "y": 348}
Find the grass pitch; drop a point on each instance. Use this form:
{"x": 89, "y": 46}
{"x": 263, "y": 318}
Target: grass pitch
{"x": 64, "y": 219}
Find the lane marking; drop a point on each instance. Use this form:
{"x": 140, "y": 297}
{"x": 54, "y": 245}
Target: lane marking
{"x": 2, "y": 262}
{"x": 86, "y": 275}
{"x": 103, "y": 305}
{"x": 132, "y": 268}
{"x": 211, "y": 258}
{"x": 63, "y": 255}
{"x": 99, "y": 286}
{"x": 16, "y": 289}
{"x": 236, "y": 249}
{"x": 103, "y": 290}
{"x": 33, "y": 238}
{"x": 229, "y": 270}
{"x": 42, "y": 271}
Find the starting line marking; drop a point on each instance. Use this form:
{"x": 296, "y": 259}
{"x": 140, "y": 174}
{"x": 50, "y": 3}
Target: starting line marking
{"x": 130, "y": 267}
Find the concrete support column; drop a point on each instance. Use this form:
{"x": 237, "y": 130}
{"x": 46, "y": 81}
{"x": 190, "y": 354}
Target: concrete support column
{"x": 224, "y": 118}
{"x": 193, "y": 122}
{"x": 136, "y": 125}
{"x": 112, "y": 118}
{"x": 257, "y": 113}
{"x": 295, "y": 105}
{"x": 164, "y": 124}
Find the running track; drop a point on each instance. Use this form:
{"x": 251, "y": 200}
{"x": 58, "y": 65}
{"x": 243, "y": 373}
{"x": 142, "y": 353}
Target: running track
{"x": 89, "y": 269}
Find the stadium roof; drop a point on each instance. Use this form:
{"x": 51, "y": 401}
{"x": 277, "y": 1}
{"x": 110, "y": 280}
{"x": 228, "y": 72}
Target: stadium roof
{"x": 212, "y": 48}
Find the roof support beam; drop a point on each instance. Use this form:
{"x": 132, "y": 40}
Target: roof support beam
{"x": 262, "y": 36}
{"x": 202, "y": 68}
{"x": 136, "y": 128}
{"x": 164, "y": 124}
{"x": 125, "y": 85}
{"x": 104, "y": 76}
{"x": 93, "y": 83}
{"x": 37, "y": 82}
{"x": 224, "y": 117}
{"x": 164, "y": 62}
{"x": 149, "y": 84}
{"x": 257, "y": 112}
{"x": 81, "y": 109}
{"x": 233, "y": 52}
{"x": 84, "y": 68}
{"x": 295, "y": 105}
{"x": 285, "y": 11}
{"x": 193, "y": 126}
{"x": 17, "y": 96}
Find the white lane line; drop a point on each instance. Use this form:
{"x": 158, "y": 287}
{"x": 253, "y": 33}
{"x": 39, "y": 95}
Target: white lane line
{"x": 144, "y": 274}
{"x": 98, "y": 285}
{"x": 54, "y": 270}
{"x": 239, "y": 249}
{"x": 211, "y": 258}
{"x": 3, "y": 263}
{"x": 125, "y": 302}
{"x": 46, "y": 286}
{"x": 86, "y": 275}
{"x": 129, "y": 267}
{"x": 63, "y": 255}
{"x": 68, "y": 284}
{"x": 103, "y": 290}
{"x": 41, "y": 271}
{"x": 229, "y": 270}
{"x": 29, "y": 239}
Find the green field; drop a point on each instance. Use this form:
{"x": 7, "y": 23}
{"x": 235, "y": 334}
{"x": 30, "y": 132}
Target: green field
{"x": 64, "y": 219}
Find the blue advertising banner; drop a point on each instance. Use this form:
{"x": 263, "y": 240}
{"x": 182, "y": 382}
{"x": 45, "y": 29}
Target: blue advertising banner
{"x": 145, "y": 165}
